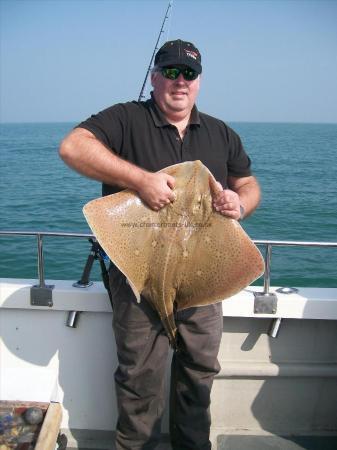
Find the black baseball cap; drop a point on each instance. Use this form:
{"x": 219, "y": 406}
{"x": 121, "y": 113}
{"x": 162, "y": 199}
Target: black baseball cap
{"x": 178, "y": 52}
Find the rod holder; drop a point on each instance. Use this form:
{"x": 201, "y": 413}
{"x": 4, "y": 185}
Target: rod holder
{"x": 275, "y": 327}
{"x": 72, "y": 319}
{"x": 287, "y": 290}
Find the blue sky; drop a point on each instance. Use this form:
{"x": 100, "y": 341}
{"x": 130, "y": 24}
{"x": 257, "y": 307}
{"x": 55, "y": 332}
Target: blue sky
{"x": 264, "y": 61}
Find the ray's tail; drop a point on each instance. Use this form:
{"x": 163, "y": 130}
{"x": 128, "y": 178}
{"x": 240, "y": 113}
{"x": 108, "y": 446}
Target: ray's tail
{"x": 171, "y": 330}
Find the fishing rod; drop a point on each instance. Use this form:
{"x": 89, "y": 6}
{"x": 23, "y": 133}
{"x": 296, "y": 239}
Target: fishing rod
{"x": 141, "y": 95}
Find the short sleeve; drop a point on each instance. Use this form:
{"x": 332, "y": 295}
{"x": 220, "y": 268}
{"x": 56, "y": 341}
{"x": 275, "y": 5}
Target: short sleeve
{"x": 239, "y": 163}
{"x": 108, "y": 126}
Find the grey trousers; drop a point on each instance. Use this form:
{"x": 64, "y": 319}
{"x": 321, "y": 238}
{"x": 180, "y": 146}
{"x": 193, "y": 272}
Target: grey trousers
{"x": 142, "y": 349}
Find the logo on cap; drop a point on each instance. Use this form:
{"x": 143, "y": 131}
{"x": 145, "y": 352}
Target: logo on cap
{"x": 191, "y": 54}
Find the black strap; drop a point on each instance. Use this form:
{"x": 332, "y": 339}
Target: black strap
{"x": 99, "y": 254}
{"x": 105, "y": 277}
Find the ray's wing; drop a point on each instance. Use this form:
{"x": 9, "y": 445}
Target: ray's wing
{"x": 223, "y": 262}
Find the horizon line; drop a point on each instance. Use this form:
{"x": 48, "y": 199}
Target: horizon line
{"x": 226, "y": 121}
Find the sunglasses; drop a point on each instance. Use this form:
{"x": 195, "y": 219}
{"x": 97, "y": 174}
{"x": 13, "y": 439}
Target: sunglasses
{"x": 172, "y": 73}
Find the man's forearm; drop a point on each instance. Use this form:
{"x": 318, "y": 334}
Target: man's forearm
{"x": 87, "y": 155}
{"x": 250, "y": 196}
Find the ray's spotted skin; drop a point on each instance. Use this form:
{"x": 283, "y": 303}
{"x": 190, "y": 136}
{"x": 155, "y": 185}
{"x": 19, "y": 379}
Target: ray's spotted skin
{"x": 184, "y": 255}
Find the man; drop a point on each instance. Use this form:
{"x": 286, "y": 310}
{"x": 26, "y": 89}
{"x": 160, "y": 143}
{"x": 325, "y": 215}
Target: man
{"x": 123, "y": 147}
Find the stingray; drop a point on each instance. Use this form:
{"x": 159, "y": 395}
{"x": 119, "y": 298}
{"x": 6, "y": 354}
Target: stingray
{"x": 186, "y": 254}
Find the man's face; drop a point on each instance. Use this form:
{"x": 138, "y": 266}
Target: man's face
{"x": 174, "y": 96}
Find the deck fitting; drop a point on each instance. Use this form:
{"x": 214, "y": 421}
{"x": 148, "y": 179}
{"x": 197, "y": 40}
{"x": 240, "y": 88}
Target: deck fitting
{"x": 42, "y": 295}
{"x": 265, "y": 303}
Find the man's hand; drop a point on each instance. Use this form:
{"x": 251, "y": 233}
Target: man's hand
{"x": 157, "y": 190}
{"x": 227, "y": 203}
{"x": 244, "y": 192}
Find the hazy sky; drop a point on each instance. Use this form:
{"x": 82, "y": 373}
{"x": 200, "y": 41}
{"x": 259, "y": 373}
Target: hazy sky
{"x": 263, "y": 60}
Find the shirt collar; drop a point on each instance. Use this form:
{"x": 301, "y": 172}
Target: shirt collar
{"x": 160, "y": 120}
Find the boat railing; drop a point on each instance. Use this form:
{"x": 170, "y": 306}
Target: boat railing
{"x": 275, "y": 243}
{"x": 268, "y": 244}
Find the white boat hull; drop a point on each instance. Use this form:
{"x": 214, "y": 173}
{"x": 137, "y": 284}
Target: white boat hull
{"x": 286, "y": 385}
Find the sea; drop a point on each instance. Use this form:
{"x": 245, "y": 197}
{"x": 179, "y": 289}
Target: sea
{"x": 296, "y": 165}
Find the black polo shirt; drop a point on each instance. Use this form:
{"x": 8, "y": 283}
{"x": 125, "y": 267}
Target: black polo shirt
{"x": 139, "y": 133}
